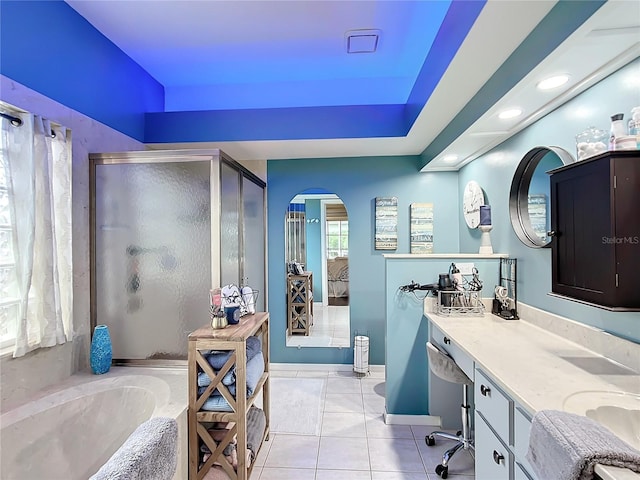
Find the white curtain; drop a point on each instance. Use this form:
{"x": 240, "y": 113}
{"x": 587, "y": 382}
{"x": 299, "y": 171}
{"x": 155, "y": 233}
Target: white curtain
{"x": 38, "y": 168}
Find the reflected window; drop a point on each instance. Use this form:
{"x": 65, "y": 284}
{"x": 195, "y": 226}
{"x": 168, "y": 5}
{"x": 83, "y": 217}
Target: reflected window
{"x": 337, "y": 238}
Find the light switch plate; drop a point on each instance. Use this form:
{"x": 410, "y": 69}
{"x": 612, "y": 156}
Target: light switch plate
{"x": 466, "y": 268}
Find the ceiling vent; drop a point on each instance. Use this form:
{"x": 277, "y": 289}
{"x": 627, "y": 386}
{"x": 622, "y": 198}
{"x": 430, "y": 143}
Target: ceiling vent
{"x": 362, "y": 41}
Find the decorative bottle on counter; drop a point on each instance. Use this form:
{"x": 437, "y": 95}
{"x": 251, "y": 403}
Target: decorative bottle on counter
{"x": 101, "y": 354}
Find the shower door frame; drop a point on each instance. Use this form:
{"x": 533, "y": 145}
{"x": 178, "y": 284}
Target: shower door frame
{"x": 216, "y": 158}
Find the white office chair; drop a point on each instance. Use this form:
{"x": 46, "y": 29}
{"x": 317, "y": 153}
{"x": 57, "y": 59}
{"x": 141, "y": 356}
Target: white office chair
{"x": 445, "y": 367}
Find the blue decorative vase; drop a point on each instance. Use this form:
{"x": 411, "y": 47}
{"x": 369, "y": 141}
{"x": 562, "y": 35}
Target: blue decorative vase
{"x": 101, "y": 354}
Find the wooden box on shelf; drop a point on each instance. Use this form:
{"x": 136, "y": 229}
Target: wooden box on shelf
{"x": 232, "y": 338}
{"x": 300, "y": 303}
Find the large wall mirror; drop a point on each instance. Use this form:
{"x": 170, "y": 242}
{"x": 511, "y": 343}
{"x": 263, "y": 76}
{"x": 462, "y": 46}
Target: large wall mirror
{"x": 529, "y": 206}
{"x": 317, "y": 269}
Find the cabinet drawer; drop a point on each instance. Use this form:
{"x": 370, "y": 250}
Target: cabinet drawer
{"x": 494, "y": 461}
{"x": 521, "y": 473}
{"x": 494, "y": 405}
{"x": 522, "y": 429}
{"x": 463, "y": 360}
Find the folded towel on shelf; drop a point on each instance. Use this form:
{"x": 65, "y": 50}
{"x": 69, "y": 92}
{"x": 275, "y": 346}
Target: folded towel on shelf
{"x": 150, "y": 453}
{"x": 229, "y": 379}
{"x": 255, "y": 369}
{"x": 565, "y": 446}
{"x": 256, "y": 424}
{"x": 217, "y": 358}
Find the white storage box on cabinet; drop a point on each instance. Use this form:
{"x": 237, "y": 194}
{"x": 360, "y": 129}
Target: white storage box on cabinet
{"x": 494, "y": 460}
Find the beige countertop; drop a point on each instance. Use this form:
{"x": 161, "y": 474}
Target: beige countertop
{"x": 539, "y": 369}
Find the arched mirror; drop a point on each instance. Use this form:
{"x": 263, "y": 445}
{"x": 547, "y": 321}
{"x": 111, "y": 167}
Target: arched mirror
{"x": 529, "y": 206}
{"x": 317, "y": 269}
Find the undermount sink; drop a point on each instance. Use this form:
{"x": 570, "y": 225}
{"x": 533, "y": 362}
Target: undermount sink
{"x": 618, "y": 411}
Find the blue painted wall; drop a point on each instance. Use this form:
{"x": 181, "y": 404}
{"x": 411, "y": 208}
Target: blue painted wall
{"x": 314, "y": 247}
{"x": 617, "y": 93}
{"x": 48, "y": 47}
{"x": 357, "y": 181}
{"x": 407, "y": 369}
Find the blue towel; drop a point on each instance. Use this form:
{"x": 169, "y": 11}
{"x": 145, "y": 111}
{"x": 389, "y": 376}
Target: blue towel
{"x": 217, "y": 358}
{"x": 255, "y": 368}
{"x": 228, "y": 379}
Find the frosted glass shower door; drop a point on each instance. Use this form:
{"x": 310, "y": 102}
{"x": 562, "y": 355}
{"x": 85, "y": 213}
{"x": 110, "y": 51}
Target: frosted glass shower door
{"x": 152, "y": 255}
{"x": 254, "y": 238}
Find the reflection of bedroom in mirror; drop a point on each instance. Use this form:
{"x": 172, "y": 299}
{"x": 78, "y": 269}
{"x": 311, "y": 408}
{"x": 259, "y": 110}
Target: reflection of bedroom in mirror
{"x": 317, "y": 269}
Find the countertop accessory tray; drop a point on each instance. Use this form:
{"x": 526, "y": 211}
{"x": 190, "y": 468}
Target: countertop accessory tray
{"x": 459, "y": 303}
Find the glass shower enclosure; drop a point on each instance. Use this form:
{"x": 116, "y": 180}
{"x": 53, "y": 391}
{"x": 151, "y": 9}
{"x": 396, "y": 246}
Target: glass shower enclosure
{"x": 166, "y": 227}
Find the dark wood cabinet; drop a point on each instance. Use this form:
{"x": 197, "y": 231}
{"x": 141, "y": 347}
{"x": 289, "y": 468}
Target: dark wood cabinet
{"x": 595, "y": 217}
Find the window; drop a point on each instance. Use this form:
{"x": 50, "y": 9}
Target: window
{"x": 36, "y": 271}
{"x": 337, "y": 238}
{"x": 9, "y": 299}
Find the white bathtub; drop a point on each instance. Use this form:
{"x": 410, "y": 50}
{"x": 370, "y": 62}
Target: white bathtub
{"x": 70, "y": 431}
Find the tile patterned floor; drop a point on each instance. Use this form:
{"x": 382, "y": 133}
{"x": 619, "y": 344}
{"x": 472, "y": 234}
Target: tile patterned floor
{"x": 355, "y": 443}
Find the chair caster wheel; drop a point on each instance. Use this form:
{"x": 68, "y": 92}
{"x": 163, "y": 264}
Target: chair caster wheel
{"x": 430, "y": 440}
{"x": 443, "y": 472}
{"x": 459, "y": 433}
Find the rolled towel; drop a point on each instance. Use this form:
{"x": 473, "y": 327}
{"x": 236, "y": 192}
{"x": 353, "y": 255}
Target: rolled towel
{"x": 217, "y": 358}
{"x": 255, "y": 369}
{"x": 256, "y": 424}
{"x": 565, "y": 446}
{"x": 150, "y": 453}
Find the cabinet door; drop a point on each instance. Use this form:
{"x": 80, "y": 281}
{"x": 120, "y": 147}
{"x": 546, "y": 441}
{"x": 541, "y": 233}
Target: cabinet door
{"x": 494, "y": 461}
{"x": 582, "y": 262}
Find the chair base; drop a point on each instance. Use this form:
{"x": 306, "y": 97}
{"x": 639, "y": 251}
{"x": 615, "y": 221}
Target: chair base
{"x": 461, "y": 444}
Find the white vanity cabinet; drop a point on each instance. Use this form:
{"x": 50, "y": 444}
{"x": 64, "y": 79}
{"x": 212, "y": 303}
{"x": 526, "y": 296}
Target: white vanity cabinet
{"x": 502, "y": 433}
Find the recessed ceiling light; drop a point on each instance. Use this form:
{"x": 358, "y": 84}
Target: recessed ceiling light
{"x": 449, "y": 158}
{"x": 511, "y": 113}
{"x": 553, "y": 82}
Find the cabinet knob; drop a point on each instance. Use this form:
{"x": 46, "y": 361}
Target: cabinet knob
{"x": 485, "y": 390}
{"x": 497, "y": 457}
{"x": 447, "y": 340}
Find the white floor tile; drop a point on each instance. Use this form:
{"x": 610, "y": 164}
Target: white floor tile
{"x": 343, "y": 385}
{"x": 293, "y": 451}
{"x": 343, "y": 454}
{"x": 399, "y": 476}
{"x": 264, "y": 451}
{"x": 372, "y": 386}
{"x": 343, "y": 475}
{"x": 376, "y": 428}
{"x": 343, "y": 403}
{"x": 395, "y": 455}
{"x": 373, "y": 404}
{"x": 287, "y": 474}
{"x": 343, "y": 425}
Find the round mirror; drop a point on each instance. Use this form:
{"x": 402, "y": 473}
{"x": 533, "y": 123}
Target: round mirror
{"x": 317, "y": 266}
{"x": 529, "y": 198}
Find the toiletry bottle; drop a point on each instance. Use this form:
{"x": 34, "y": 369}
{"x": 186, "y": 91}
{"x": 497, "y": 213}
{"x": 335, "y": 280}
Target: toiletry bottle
{"x": 456, "y": 276}
{"x": 634, "y": 121}
{"x": 617, "y": 129}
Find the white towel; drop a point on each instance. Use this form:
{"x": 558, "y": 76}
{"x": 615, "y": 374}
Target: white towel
{"x": 565, "y": 446}
{"x": 150, "y": 453}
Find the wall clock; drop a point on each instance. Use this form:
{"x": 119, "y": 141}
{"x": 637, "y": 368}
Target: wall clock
{"x": 471, "y": 201}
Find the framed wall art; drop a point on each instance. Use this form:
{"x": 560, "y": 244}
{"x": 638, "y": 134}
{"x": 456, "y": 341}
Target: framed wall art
{"x": 421, "y": 215}
{"x": 386, "y": 235}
